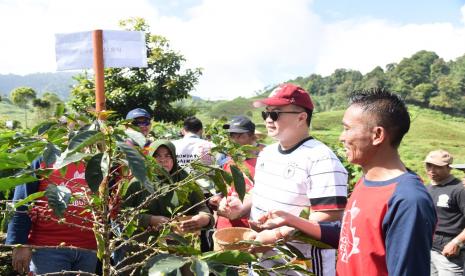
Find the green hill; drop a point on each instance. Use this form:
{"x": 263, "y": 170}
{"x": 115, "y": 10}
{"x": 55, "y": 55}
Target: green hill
{"x": 59, "y": 83}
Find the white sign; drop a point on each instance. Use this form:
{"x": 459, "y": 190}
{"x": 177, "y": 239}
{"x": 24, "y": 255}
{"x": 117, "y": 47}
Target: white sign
{"x": 120, "y": 49}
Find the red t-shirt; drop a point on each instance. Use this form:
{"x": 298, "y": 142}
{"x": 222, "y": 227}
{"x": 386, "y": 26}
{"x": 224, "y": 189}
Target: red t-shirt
{"x": 365, "y": 250}
{"x": 387, "y": 228}
{"x": 223, "y": 222}
{"x": 47, "y": 232}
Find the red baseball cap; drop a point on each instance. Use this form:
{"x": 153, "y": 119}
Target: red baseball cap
{"x": 285, "y": 94}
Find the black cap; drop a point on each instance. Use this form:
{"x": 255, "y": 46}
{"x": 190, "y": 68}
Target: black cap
{"x": 240, "y": 124}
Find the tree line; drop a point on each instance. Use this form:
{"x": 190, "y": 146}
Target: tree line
{"x": 424, "y": 79}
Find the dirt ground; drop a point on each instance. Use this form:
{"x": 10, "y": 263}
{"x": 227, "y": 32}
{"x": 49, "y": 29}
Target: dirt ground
{"x": 5, "y": 258}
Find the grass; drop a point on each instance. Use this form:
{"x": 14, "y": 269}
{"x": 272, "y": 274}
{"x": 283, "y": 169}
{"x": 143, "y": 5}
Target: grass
{"x": 432, "y": 130}
{"x": 13, "y": 112}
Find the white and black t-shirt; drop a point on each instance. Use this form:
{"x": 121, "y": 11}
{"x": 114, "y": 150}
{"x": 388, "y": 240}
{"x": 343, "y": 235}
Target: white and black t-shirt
{"x": 307, "y": 175}
{"x": 191, "y": 148}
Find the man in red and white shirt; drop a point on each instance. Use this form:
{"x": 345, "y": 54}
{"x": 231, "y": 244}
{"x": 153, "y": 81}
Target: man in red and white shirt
{"x": 389, "y": 220}
{"x": 40, "y": 227}
{"x": 297, "y": 173}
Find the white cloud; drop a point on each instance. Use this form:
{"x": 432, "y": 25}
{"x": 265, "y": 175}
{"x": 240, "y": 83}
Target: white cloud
{"x": 242, "y": 45}
{"x": 28, "y": 42}
{"x": 364, "y": 44}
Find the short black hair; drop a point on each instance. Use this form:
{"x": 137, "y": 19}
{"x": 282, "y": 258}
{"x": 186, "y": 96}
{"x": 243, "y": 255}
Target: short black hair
{"x": 309, "y": 115}
{"x": 387, "y": 108}
{"x": 193, "y": 124}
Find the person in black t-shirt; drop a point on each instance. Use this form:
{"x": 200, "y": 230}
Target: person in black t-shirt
{"x": 448, "y": 193}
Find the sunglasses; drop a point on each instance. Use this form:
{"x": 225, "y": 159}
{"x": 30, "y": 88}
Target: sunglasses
{"x": 141, "y": 123}
{"x": 274, "y": 115}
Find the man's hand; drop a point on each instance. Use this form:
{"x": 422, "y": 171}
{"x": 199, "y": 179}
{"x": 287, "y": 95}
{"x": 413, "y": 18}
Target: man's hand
{"x": 214, "y": 201}
{"x": 21, "y": 259}
{"x": 195, "y": 223}
{"x": 223, "y": 208}
{"x": 268, "y": 236}
{"x": 157, "y": 221}
{"x": 270, "y": 220}
{"x": 230, "y": 207}
{"x": 451, "y": 249}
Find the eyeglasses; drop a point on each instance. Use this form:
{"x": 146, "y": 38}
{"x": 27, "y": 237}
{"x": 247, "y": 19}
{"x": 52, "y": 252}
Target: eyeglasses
{"x": 141, "y": 123}
{"x": 274, "y": 115}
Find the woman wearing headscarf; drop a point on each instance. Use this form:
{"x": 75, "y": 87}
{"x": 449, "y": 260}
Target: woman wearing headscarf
{"x": 158, "y": 210}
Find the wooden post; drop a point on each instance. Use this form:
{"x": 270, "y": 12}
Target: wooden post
{"x": 97, "y": 41}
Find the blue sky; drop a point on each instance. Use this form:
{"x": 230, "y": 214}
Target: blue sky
{"x": 400, "y": 11}
{"x": 245, "y": 45}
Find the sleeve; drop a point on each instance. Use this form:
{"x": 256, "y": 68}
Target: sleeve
{"x": 222, "y": 159}
{"x": 196, "y": 197}
{"x": 460, "y": 198}
{"x": 327, "y": 188}
{"x": 330, "y": 232}
{"x": 20, "y": 224}
{"x": 408, "y": 228}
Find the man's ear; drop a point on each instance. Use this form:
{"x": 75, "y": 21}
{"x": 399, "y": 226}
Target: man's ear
{"x": 303, "y": 117}
{"x": 379, "y": 135}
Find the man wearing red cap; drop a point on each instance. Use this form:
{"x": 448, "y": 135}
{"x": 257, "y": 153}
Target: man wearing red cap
{"x": 296, "y": 173}
{"x": 389, "y": 220}
{"x": 448, "y": 193}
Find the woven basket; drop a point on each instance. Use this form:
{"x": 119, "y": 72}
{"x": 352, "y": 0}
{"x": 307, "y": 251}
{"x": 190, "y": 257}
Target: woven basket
{"x": 228, "y": 238}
